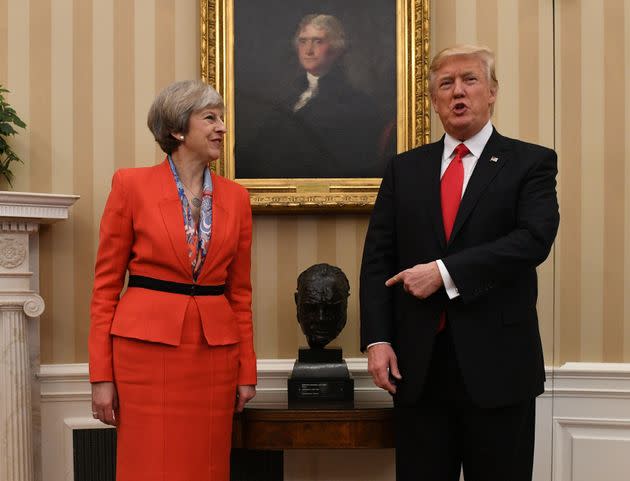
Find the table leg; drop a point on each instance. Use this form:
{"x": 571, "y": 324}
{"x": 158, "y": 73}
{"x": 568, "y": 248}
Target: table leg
{"x": 254, "y": 465}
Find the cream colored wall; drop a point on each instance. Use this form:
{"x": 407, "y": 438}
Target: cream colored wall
{"x": 592, "y": 124}
{"x": 83, "y": 73}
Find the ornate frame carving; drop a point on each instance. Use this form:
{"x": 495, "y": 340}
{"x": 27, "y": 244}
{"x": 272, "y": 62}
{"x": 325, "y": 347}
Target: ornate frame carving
{"x": 317, "y": 195}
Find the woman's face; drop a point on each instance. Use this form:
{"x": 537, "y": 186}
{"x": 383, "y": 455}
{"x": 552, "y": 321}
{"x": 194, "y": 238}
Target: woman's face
{"x": 205, "y": 134}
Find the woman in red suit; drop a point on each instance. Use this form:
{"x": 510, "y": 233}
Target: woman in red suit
{"x": 172, "y": 357}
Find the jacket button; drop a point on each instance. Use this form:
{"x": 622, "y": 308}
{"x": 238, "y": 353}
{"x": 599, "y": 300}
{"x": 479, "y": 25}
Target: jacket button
{"x": 192, "y": 290}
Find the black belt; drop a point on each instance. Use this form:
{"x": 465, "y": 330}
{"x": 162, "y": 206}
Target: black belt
{"x": 175, "y": 287}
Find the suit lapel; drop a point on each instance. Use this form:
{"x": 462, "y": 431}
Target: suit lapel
{"x": 171, "y": 209}
{"x": 494, "y": 156}
{"x": 433, "y": 174}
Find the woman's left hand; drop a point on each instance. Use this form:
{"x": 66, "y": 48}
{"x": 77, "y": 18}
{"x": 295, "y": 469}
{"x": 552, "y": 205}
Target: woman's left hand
{"x": 243, "y": 395}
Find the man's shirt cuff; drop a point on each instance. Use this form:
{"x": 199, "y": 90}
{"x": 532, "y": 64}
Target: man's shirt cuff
{"x": 451, "y": 289}
{"x": 375, "y": 343}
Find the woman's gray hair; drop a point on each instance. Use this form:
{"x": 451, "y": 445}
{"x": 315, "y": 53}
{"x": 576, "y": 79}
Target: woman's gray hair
{"x": 171, "y": 110}
{"x": 334, "y": 29}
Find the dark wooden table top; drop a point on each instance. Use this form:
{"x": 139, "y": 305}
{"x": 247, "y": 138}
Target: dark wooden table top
{"x": 279, "y": 428}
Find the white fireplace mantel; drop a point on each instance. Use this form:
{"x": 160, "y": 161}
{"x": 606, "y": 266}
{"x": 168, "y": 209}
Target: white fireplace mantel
{"x": 36, "y": 208}
{"x": 21, "y": 214}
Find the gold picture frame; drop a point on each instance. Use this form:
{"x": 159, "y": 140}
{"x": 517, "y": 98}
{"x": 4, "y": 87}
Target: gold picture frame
{"x": 276, "y": 195}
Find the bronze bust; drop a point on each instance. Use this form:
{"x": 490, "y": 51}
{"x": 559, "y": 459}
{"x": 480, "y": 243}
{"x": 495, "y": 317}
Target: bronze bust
{"x": 320, "y": 377}
{"x": 322, "y": 301}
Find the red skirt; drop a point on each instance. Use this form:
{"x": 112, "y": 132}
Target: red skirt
{"x": 175, "y": 407}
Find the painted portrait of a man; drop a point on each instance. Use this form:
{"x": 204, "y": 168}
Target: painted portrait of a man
{"x": 322, "y": 110}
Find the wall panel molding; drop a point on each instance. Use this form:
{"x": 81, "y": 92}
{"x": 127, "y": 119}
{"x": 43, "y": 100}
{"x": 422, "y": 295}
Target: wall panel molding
{"x": 591, "y": 448}
{"x": 582, "y": 418}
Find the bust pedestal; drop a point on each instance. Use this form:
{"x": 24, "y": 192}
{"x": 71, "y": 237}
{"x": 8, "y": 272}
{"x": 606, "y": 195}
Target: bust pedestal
{"x": 20, "y": 217}
{"x": 320, "y": 379}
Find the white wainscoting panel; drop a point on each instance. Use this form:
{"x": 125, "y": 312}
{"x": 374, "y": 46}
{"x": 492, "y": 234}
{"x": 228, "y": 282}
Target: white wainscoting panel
{"x": 582, "y": 424}
{"x": 591, "y": 422}
{"x": 592, "y": 449}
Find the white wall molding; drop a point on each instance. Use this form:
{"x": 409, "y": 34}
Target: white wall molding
{"x": 591, "y": 422}
{"x": 593, "y": 393}
{"x": 70, "y": 382}
{"x": 64, "y": 382}
{"x": 592, "y": 380}
{"x": 583, "y": 380}
{"x": 45, "y": 208}
{"x": 591, "y": 448}
{"x": 577, "y": 380}
{"x": 595, "y": 370}
{"x": 583, "y": 415}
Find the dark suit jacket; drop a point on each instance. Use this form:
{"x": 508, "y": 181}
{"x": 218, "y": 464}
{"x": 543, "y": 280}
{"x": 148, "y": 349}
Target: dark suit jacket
{"x": 338, "y": 133}
{"x": 505, "y": 226}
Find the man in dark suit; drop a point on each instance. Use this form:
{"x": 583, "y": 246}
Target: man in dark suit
{"x": 322, "y": 126}
{"x": 449, "y": 286}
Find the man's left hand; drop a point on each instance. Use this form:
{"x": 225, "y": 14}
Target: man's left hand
{"x": 420, "y": 281}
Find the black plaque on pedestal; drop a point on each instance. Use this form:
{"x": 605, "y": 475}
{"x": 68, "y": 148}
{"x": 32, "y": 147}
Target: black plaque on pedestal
{"x": 320, "y": 379}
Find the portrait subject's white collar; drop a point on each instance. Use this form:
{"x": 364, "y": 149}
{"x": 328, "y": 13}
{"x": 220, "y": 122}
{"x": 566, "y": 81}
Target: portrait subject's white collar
{"x": 312, "y": 80}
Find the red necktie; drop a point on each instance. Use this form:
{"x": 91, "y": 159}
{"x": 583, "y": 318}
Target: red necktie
{"x": 451, "y": 189}
{"x": 451, "y": 194}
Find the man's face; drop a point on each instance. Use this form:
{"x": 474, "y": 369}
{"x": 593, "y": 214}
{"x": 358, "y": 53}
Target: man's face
{"x": 462, "y": 96}
{"x": 321, "y": 312}
{"x": 314, "y": 50}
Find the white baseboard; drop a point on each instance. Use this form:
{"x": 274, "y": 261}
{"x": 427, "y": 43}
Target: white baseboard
{"x": 583, "y": 420}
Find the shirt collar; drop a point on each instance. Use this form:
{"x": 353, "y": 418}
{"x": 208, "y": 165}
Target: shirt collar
{"x": 475, "y": 144}
{"x": 312, "y": 80}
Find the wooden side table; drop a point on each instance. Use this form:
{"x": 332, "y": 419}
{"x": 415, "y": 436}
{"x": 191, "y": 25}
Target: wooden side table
{"x": 261, "y": 434}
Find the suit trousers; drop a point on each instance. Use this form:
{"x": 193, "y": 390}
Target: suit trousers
{"x": 445, "y": 430}
{"x": 176, "y": 406}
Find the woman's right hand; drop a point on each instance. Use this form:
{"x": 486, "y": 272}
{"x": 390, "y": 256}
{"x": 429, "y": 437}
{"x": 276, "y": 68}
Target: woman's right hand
{"x": 104, "y": 402}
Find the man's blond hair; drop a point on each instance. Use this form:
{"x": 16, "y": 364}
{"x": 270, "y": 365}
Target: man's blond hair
{"x": 484, "y": 54}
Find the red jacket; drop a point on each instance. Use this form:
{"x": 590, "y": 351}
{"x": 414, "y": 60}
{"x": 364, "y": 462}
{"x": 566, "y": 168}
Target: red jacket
{"x": 142, "y": 231}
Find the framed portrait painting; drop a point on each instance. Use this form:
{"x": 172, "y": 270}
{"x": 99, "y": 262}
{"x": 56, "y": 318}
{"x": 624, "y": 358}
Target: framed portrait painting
{"x": 319, "y": 95}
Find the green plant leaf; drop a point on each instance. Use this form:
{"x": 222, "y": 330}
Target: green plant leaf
{"x": 8, "y": 119}
{"x": 6, "y": 129}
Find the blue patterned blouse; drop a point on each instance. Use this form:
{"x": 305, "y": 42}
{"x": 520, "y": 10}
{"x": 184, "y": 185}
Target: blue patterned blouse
{"x": 197, "y": 236}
